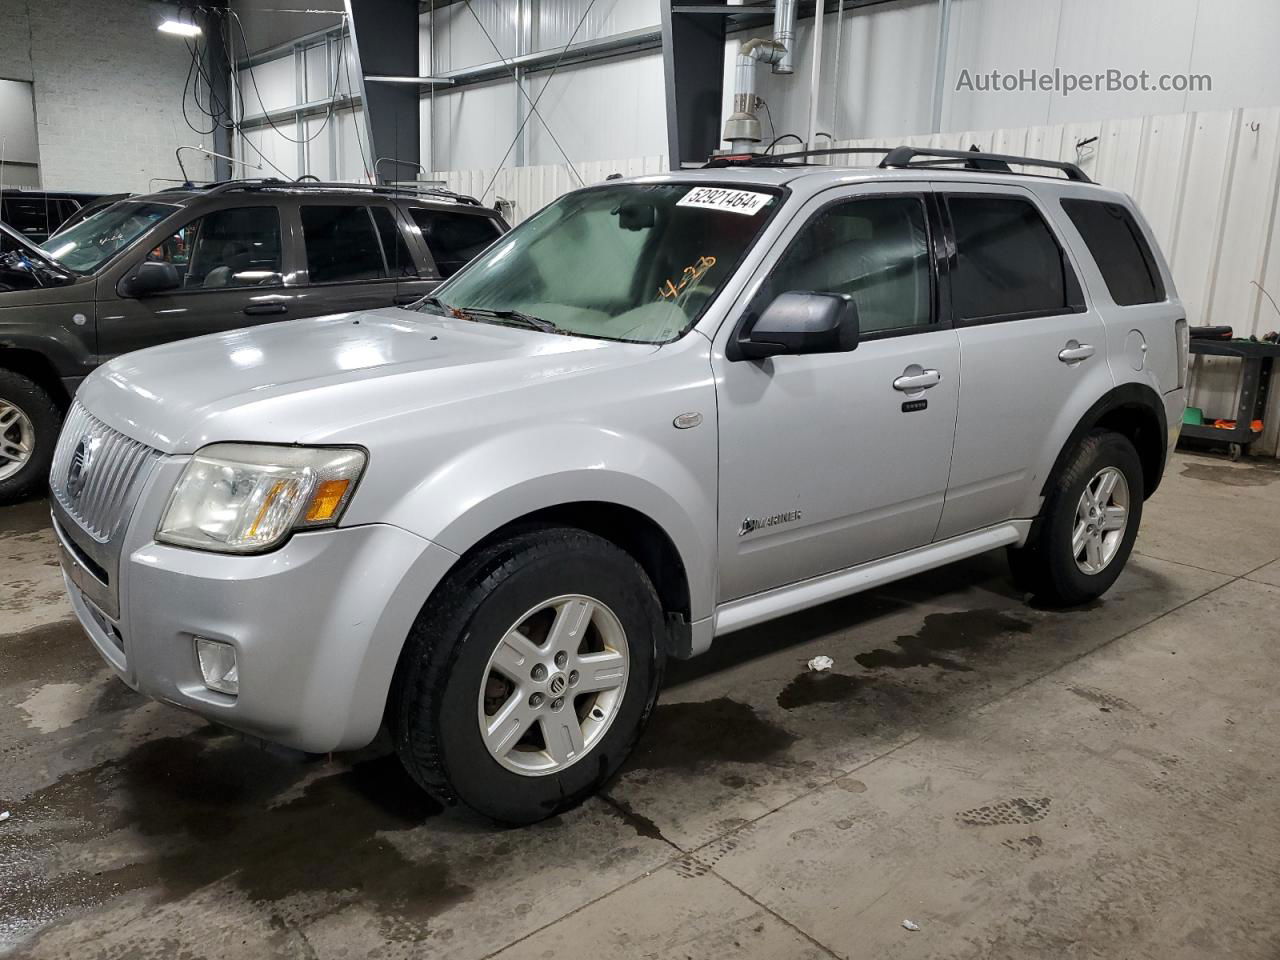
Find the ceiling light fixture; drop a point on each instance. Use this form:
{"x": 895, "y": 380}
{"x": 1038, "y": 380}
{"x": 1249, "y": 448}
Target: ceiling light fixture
{"x": 178, "y": 28}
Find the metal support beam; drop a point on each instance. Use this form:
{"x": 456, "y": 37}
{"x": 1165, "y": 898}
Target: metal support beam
{"x": 940, "y": 62}
{"x": 693, "y": 69}
{"x": 386, "y": 39}
{"x": 217, "y": 67}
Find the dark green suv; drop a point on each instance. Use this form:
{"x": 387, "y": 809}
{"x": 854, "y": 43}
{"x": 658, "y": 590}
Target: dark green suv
{"x": 197, "y": 260}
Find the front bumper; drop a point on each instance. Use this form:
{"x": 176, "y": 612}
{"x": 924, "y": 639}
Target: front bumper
{"x": 317, "y": 625}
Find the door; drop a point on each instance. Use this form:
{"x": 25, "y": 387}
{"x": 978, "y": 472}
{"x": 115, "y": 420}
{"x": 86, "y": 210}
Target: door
{"x": 1033, "y": 356}
{"x": 831, "y": 460}
{"x": 356, "y": 257}
{"x": 229, "y": 264}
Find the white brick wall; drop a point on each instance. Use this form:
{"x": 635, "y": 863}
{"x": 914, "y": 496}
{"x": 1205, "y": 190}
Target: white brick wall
{"x": 108, "y": 91}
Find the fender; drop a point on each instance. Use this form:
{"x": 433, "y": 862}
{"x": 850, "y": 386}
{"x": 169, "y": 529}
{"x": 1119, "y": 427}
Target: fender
{"x": 491, "y": 484}
{"x": 49, "y": 331}
{"x": 1127, "y": 397}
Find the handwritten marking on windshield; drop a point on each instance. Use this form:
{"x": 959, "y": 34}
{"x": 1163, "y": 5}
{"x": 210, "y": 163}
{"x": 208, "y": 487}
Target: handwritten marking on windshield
{"x": 670, "y": 290}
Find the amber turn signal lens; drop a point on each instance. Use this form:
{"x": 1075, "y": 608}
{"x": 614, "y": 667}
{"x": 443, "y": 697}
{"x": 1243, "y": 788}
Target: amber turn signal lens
{"x": 325, "y": 501}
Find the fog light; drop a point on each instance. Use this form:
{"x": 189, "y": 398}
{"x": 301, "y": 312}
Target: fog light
{"x": 218, "y": 665}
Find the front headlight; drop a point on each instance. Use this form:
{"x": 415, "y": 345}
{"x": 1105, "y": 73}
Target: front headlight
{"x": 246, "y": 497}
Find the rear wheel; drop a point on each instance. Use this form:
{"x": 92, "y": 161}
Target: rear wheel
{"x": 29, "y": 421}
{"x": 528, "y": 678}
{"x": 1088, "y": 526}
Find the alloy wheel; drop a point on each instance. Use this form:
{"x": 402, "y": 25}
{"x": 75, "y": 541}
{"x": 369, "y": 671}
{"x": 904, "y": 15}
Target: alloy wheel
{"x": 553, "y": 685}
{"x": 17, "y": 439}
{"x": 1102, "y": 516}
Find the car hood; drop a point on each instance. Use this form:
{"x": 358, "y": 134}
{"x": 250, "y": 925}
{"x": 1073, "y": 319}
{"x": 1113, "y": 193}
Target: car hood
{"x": 327, "y": 379}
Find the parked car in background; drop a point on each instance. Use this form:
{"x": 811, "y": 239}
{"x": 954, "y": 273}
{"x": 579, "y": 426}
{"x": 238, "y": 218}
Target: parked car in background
{"x": 88, "y": 210}
{"x": 184, "y": 262}
{"x": 659, "y": 411}
{"x": 36, "y": 214}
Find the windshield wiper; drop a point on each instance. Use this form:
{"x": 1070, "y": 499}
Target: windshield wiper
{"x": 511, "y": 316}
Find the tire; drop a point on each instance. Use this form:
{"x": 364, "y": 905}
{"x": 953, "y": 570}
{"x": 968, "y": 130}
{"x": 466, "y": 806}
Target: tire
{"x": 456, "y": 649}
{"x": 28, "y": 417}
{"x": 1050, "y": 567}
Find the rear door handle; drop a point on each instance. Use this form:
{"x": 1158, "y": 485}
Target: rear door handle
{"x": 258, "y": 309}
{"x": 917, "y": 381}
{"x": 1075, "y": 351}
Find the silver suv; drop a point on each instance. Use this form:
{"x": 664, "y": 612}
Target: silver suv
{"x": 659, "y": 411}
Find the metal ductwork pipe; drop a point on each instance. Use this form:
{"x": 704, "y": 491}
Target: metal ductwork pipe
{"x": 742, "y": 129}
{"x": 784, "y": 33}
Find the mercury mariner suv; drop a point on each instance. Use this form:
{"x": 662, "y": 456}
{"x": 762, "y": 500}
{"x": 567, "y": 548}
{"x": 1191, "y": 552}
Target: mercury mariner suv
{"x": 657, "y": 412}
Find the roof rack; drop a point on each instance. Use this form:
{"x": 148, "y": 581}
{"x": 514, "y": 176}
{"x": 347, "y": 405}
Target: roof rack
{"x": 275, "y": 183}
{"x": 902, "y": 157}
{"x": 907, "y": 158}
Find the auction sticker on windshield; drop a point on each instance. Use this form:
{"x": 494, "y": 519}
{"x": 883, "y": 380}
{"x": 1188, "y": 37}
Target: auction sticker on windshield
{"x": 721, "y": 198}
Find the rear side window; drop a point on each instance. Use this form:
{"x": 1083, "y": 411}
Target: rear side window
{"x": 1008, "y": 263}
{"x": 390, "y": 232}
{"x": 29, "y": 216}
{"x": 341, "y": 244}
{"x": 454, "y": 239}
{"x": 1119, "y": 250}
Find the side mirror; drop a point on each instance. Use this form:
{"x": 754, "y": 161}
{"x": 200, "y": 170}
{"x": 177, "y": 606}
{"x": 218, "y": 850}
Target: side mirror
{"x": 148, "y": 277}
{"x": 801, "y": 323}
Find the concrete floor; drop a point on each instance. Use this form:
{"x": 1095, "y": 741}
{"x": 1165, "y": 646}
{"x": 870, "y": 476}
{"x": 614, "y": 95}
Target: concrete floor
{"x": 1020, "y": 783}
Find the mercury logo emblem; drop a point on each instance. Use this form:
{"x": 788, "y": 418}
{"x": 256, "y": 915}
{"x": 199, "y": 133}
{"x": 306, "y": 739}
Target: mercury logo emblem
{"x": 78, "y": 471}
{"x": 557, "y": 684}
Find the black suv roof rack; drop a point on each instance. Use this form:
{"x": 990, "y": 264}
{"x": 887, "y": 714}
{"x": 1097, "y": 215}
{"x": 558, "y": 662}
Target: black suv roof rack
{"x": 905, "y": 157}
{"x": 275, "y": 183}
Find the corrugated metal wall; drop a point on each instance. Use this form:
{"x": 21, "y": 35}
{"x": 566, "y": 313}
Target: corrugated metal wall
{"x": 532, "y": 188}
{"x": 1207, "y": 182}
{"x": 611, "y": 108}
{"x": 887, "y": 56}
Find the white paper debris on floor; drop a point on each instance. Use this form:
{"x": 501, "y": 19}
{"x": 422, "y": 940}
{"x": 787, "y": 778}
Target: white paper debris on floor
{"x": 910, "y": 925}
{"x": 819, "y": 664}
{"x": 4, "y": 816}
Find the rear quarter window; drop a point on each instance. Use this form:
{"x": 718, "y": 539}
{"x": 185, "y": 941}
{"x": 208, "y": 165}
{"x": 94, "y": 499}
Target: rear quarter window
{"x": 454, "y": 239}
{"x": 1008, "y": 262}
{"x": 1119, "y": 249}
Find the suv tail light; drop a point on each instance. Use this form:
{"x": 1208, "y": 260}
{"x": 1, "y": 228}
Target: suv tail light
{"x": 1183, "y": 334}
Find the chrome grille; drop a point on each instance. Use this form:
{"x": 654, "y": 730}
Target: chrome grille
{"x": 94, "y": 470}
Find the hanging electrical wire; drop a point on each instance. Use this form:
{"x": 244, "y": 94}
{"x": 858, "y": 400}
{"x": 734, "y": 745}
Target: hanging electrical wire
{"x": 333, "y": 91}
{"x": 220, "y": 111}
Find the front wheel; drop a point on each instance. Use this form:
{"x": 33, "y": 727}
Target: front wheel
{"x": 29, "y": 421}
{"x": 528, "y": 678}
{"x": 1088, "y": 525}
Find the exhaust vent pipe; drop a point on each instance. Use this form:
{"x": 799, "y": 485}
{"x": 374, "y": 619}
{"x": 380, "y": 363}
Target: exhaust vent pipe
{"x": 742, "y": 129}
{"x": 784, "y": 32}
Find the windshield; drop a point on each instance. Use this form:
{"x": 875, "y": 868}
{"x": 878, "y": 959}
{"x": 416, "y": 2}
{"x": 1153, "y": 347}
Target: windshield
{"x": 96, "y": 239}
{"x": 634, "y": 262}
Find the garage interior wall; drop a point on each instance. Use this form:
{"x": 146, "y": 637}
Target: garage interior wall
{"x": 888, "y": 55}
{"x": 299, "y": 83}
{"x": 608, "y": 109}
{"x": 99, "y": 127}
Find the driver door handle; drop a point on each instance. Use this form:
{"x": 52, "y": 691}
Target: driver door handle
{"x": 255, "y": 309}
{"x": 1075, "y": 351}
{"x": 917, "y": 381}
